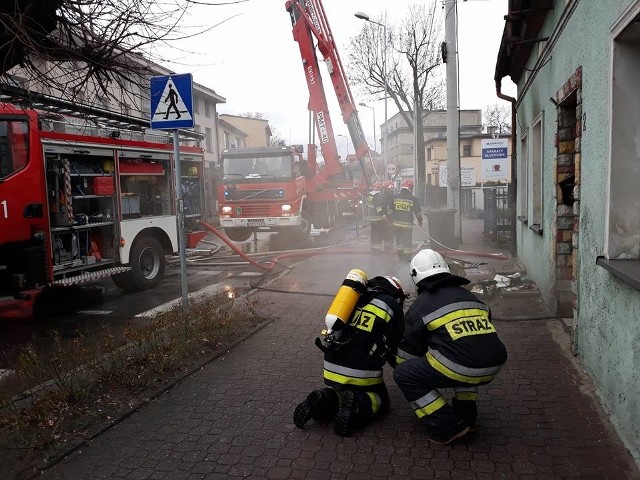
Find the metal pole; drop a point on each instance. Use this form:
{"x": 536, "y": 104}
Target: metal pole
{"x": 180, "y": 209}
{"x": 385, "y": 158}
{"x": 453, "y": 121}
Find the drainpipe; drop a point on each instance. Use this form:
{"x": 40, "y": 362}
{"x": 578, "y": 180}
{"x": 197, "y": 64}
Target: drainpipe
{"x": 514, "y": 175}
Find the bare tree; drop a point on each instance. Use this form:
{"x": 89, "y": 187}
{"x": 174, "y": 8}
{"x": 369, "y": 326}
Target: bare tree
{"x": 70, "y": 46}
{"x": 498, "y": 115}
{"x": 413, "y": 55}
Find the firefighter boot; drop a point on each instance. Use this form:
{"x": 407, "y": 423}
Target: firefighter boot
{"x": 345, "y": 420}
{"x": 321, "y": 405}
{"x": 468, "y": 410}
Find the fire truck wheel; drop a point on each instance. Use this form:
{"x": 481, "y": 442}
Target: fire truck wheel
{"x": 147, "y": 263}
{"x": 124, "y": 281}
{"x": 238, "y": 234}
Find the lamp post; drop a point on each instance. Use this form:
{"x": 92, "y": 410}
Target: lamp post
{"x": 347, "y": 139}
{"x": 366, "y": 18}
{"x": 373, "y": 110}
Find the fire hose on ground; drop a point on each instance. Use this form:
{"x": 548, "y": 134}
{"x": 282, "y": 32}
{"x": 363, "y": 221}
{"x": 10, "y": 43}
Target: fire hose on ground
{"x": 275, "y": 261}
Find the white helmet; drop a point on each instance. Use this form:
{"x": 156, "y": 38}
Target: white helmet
{"x": 427, "y": 263}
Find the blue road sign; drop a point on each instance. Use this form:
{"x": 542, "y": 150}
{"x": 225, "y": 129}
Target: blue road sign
{"x": 172, "y": 102}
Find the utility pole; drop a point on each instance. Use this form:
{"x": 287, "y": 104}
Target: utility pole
{"x": 453, "y": 120}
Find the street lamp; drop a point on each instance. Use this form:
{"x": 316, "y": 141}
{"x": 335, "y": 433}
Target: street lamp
{"x": 375, "y": 140}
{"x": 366, "y": 18}
{"x": 347, "y": 139}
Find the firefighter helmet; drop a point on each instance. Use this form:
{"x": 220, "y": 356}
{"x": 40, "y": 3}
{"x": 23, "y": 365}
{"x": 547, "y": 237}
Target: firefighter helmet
{"x": 408, "y": 184}
{"x": 427, "y": 263}
{"x": 388, "y": 184}
{"x": 377, "y": 185}
{"x": 390, "y": 285}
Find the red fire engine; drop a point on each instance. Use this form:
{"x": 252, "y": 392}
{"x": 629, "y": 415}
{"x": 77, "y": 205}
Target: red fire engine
{"x": 274, "y": 188}
{"x": 80, "y": 203}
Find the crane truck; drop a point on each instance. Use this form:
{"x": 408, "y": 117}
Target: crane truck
{"x": 276, "y": 188}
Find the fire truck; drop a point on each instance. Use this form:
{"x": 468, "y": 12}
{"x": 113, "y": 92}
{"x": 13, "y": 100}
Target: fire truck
{"x": 78, "y": 203}
{"x": 275, "y": 188}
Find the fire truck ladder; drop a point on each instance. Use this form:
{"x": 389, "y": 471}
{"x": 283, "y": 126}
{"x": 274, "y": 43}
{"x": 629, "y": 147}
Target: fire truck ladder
{"x": 309, "y": 21}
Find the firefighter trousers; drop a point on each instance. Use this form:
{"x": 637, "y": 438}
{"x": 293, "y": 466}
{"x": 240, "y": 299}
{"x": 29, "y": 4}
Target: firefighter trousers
{"x": 404, "y": 236}
{"x": 377, "y": 233}
{"x": 420, "y": 382}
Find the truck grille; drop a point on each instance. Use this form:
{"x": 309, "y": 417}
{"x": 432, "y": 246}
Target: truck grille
{"x": 255, "y": 210}
{"x": 262, "y": 194}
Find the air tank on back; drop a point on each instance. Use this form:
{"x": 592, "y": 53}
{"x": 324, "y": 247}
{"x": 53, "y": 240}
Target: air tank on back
{"x": 353, "y": 286}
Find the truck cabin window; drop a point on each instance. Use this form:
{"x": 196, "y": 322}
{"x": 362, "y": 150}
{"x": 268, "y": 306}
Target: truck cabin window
{"x": 260, "y": 169}
{"x": 14, "y": 146}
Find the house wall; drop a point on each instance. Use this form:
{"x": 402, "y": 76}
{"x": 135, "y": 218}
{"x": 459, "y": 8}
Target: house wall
{"x": 607, "y": 333}
{"x": 255, "y": 128}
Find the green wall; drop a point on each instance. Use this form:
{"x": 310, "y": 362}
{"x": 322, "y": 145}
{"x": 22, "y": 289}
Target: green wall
{"x": 608, "y": 321}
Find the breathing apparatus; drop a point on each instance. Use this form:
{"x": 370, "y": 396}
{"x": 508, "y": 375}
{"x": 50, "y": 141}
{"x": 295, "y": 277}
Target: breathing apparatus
{"x": 341, "y": 308}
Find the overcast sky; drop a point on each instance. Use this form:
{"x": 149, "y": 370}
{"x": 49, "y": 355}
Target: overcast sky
{"x": 252, "y": 60}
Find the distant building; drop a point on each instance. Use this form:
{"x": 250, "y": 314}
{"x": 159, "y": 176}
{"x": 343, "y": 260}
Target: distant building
{"x": 257, "y": 130}
{"x": 400, "y": 138}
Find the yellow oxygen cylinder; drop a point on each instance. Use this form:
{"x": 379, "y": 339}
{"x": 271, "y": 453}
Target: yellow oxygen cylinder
{"x": 345, "y": 300}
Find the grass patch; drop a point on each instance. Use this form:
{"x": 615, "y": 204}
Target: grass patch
{"x": 56, "y": 401}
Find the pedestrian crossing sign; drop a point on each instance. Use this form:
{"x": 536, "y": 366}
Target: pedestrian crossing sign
{"x": 172, "y": 102}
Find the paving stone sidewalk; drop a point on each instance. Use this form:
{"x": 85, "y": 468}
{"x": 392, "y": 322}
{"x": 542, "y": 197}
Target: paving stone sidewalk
{"x": 233, "y": 419}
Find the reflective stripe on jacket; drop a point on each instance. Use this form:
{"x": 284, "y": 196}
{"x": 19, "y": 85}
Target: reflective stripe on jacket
{"x": 453, "y": 330}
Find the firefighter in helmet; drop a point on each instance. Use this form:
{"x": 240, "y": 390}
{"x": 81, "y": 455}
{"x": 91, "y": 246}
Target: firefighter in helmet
{"x": 355, "y": 391}
{"x": 376, "y": 218}
{"x": 404, "y": 207}
{"x": 448, "y": 342}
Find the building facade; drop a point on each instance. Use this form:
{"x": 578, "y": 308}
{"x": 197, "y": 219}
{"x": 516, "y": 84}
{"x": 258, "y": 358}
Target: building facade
{"x": 257, "y": 131}
{"x": 400, "y": 138}
{"x": 576, "y": 64}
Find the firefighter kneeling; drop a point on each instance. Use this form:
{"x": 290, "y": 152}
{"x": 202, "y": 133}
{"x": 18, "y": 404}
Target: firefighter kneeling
{"x": 356, "y": 345}
{"x": 448, "y": 342}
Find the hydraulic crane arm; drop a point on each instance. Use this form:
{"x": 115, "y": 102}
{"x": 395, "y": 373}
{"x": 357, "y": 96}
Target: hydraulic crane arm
{"x": 310, "y": 22}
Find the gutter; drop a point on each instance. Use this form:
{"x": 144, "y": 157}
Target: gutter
{"x": 514, "y": 164}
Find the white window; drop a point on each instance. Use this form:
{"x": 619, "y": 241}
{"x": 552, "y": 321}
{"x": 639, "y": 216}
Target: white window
{"x": 196, "y": 105}
{"x": 207, "y": 109}
{"x": 523, "y": 181}
{"x": 623, "y": 222}
{"x": 537, "y": 155}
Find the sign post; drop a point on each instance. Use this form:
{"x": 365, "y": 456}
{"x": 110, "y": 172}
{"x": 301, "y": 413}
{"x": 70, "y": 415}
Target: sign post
{"x": 172, "y": 109}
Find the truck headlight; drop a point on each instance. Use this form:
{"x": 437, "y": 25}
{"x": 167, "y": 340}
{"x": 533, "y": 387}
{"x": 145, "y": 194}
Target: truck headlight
{"x": 226, "y": 209}
{"x": 286, "y": 208}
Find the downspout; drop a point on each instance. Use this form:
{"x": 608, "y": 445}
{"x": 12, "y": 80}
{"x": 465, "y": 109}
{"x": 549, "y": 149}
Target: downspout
{"x": 514, "y": 164}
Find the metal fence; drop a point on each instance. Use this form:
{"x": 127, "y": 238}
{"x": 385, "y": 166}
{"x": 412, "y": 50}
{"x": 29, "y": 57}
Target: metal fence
{"x": 497, "y": 215}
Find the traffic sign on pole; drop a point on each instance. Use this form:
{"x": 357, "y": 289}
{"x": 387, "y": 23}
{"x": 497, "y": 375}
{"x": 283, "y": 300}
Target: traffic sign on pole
{"x": 172, "y": 102}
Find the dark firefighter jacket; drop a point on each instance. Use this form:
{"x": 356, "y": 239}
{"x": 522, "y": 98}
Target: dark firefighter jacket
{"x": 375, "y": 204}
{"x": 372, "y": 336}
{"x": 404, "y": 207}
{"x": 453, "y": 329}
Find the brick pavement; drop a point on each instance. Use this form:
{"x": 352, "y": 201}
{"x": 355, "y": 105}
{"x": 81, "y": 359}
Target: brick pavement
{"x": 538, "y": 420}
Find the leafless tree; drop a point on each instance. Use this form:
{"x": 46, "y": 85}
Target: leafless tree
{"x": 499, "y": 116}
{"x": 68, "y": 46}
{"x": 413, "y": 55}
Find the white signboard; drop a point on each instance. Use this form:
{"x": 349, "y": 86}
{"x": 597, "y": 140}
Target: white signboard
{"x": 467, "y": 176}
{"x": 391, "y": 169}
{"x": 495, "y": 158}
